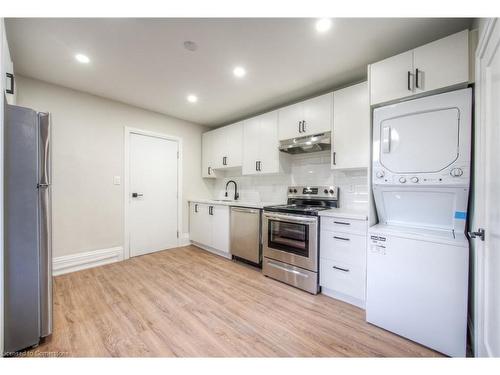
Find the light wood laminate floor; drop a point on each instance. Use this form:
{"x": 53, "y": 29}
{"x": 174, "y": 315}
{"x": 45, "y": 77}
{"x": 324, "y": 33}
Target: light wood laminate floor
{"x": 187, "y": 302}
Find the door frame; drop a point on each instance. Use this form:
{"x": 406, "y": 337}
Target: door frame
{"x": 128, "y": 131}
{"x": 483, "y": 53}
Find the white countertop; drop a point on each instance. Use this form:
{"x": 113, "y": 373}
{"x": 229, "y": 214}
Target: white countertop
{"x": 345, "y": 213}
{"x": 235, "y": 203}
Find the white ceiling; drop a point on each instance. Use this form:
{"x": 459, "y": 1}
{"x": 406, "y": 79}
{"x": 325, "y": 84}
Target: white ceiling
{"x": 143, "y": 62}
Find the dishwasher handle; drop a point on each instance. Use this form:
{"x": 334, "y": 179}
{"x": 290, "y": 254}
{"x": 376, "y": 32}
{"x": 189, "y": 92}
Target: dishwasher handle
{"x": 246, "y": 210}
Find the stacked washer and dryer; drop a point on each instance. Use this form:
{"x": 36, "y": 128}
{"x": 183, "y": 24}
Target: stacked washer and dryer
{"x": 417, "y": 262}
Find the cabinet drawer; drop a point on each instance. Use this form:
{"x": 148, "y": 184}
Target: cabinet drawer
{"x": 335, "y": 224}
{"x": 343, "y": 247}
{"x": 343, "y": 278}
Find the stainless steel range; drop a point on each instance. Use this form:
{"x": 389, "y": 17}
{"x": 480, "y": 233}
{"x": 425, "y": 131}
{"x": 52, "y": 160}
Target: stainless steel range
{"x": 290, "y": 236}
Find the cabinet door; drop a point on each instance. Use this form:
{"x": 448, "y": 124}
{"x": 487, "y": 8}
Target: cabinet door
{"x": 269, "y": 158}
{"x": 442, "y": 63}
{"x": 8, "y": 68}
{"x": 206, "y": 224}
{"x": 196, "y": 222}
{"x": 207, "y": 155}
{"x": 318, "y": 114}
{"x": 219, "y": 149}
{"x": 251, "y": 145}
{"x": 289, "y": 119}
{"x": 389, "y": 78}
{"x": 232, "y": 138}
{"x": 220, "y": 228}
{"x": 351, "y": 127}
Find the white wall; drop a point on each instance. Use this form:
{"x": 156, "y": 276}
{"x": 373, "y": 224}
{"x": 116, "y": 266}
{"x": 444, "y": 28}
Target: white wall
{"x": 305, "y": 169}
{"x": 88, "y": 150}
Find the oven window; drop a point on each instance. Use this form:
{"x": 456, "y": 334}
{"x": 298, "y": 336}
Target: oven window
{"x": 289, "y": 237}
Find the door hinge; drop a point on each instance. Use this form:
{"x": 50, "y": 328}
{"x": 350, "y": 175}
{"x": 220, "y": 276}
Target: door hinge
{"x": 479, "y": 234}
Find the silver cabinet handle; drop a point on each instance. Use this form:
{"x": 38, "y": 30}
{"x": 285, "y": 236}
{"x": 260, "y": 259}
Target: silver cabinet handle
{"x": 245, "y": 210}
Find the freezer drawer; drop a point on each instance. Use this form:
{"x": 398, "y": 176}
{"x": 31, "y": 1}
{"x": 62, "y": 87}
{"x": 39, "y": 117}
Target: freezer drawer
{"x": 295, "y": 276}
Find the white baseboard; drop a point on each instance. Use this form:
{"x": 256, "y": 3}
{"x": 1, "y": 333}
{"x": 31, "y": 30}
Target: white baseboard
{"x": 80, "y": 261}
{"x": 343, "y": 297}
{"x": 212, "y": 250}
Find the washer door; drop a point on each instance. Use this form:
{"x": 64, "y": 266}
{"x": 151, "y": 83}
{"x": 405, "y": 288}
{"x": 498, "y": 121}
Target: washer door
{"x": 420, "y": 142}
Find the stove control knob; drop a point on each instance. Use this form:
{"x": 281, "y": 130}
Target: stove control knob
{"x": 295, "y": 190}
{"x": 325, "y": 191}
{"x": 456, "y": 172}
{"x": 380, "y": 174}
{"x": 414, "y": 179}
{"x": 290, "y": 191}
{"x": 331, "y": 191}
{"x": 402, "y": 180}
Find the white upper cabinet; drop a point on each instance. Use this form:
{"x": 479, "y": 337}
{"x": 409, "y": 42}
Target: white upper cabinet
{"x": 309, "y": 117}
{"x": 436, "y": 65}
{"x": 222, "y": 148}
{"x": 442, "y": 63}
{"x": 290, "y": 121}
{"x": 260, "y": 144}
{"x": 8, "y": 72}
{"x": 318, "y": 114}
{"x": 208, "y": 155}
{"x": 351, "y": 127}
{"x": 392, "y": 78}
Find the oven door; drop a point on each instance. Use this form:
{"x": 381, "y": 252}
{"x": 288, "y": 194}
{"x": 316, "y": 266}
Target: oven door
{"x": 292, "y": 239}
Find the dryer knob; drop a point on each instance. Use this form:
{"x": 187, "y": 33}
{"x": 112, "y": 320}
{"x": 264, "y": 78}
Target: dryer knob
{"x": 332, "y": 191}
{"x": 456, "y": 172}
{"x": 380, "y": 174}
{"x": 414, "y": 179}
{"x": 325, "y": 191}
{"x": 402, "y": 180}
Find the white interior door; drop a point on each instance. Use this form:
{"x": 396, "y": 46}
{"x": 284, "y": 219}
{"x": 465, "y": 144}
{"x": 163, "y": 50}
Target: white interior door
{"x": 487, "y": 271}
{"x": 153, "y": 185}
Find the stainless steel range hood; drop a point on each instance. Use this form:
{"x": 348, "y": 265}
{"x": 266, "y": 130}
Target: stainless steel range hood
{"x": 310, "y": 143}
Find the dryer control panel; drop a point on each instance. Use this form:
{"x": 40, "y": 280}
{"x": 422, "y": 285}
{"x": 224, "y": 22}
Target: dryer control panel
{"x": 455, "y": 175}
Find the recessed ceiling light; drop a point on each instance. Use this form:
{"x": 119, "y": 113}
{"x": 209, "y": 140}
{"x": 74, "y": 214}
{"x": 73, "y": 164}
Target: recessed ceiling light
{"x": 80, "y": 57}
{"x": 323, "y": 25}
{"x": 239, "y": 72}
{"x": 192, "y": 98}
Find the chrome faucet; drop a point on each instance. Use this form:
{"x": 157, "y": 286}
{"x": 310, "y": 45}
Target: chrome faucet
{"x": 236, "y": 196}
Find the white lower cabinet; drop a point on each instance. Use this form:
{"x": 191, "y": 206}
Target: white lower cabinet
{"x": 209, "y": 227}
{"x": 343, "y": 259}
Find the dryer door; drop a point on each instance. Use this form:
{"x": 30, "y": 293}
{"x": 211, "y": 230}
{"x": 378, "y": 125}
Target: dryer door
{"x": 420, "y": 142}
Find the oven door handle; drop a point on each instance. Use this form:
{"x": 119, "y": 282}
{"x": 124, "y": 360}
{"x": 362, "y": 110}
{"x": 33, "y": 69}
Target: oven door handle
{"x": 291, "y": 219}
{"x": 287, "y": 269}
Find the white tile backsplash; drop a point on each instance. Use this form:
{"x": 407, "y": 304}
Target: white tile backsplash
{"x": 305, "y": 169}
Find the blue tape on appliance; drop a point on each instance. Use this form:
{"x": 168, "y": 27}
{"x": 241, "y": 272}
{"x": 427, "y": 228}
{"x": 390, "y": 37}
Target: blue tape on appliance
{"x": 460, "y": 215}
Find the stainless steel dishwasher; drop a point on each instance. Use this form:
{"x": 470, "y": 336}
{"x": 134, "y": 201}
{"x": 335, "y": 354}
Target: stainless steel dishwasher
{"x": 246, "y": 241}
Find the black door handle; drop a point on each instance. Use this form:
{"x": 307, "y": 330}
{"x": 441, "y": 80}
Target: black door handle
{"x": 416, "y": 78}
{"x": 304, "y": 126}
{"x": 334, "y": 157}
{"x": 137, "y": 195}
{"x": 11, "y": 89}
{"x": 196, "y": 208}
{"x": 300, "y": 126}
{"x": 409, "y": 77}
{"x": 257, "y": 166}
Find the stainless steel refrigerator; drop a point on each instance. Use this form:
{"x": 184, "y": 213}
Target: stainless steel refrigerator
{"x": 27, "y": 227}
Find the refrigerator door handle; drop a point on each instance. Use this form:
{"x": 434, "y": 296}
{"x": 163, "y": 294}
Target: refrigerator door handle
{"x": 45, "y": 224}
